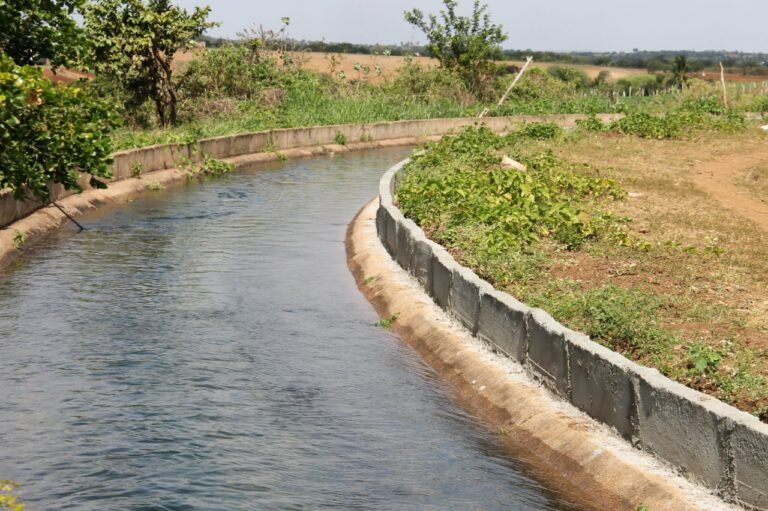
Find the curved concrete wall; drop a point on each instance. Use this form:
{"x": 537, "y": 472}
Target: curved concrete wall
{"x": 167, "y": 156}
{"x": 720, "y": 446}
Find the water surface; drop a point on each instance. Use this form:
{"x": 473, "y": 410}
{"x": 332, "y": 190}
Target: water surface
{"x": 206, "y": 349}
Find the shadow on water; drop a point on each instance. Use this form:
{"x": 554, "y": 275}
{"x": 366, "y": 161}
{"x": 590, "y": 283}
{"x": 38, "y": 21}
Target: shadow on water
{"x": 206, "y": 348}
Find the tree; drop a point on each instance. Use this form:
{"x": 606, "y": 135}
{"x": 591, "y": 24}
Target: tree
{"x": 36, "y": 30}
{"x": 465, "y": 44}
{"x": 133, "y": 43}
{"x": 680, "y": 69}
{"x": 49, "y": 133}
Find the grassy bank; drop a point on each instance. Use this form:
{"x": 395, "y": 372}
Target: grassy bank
{"x": 609, "y": 233}
{"x": 233, "y": 90}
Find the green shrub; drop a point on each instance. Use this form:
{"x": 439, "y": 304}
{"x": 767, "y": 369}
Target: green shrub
{"x": 231, "y": 71}
{"x": 49, "y": 133}
{"x": 570, "y": 75}
{"x": 646, "y": 125}
{"x": 541, "y": 130}
{"x": 591, "y": 124}
{"x": 459, "y": 182}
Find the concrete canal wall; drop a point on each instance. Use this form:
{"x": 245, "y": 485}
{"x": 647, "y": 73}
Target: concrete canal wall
{"x": 714, "y": 443}
{"x": 128, "y": 164}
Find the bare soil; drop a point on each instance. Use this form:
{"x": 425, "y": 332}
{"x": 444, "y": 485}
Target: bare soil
{"x": 694, "y": 203}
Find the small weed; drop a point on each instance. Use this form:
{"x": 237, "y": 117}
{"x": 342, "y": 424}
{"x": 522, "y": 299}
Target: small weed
{"x": 214, "y": 167}
{"x": 137, "y": 168}
{"x": 387, "y": 322}
{"x": 642, "y": 507}
{"x": 18, "y": 239}
{"x": 270, "y": 146}
{"x": 703, "y": 359}
{"x": 340, "y": 138}
{"x": 369, "y": 280}
{"x": 154, "y": 186}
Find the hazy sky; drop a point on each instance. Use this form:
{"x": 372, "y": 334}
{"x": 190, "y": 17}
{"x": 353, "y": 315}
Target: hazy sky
{"x": 596, "y": 25}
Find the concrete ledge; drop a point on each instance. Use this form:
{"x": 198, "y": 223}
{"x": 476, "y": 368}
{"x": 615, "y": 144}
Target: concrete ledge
{"x": 601, "y": 385}
{"x": 501, "y": 323}
{"x": 421, "y": 258}
{"x": 709, "y": 441}
{"x": 547, "y": 351}
{"x": 442, "y": 276}
{"x": 683, "y": 427}
{"x": 405, "y": 233}
{"x": 750, "y": 458}
{"x": 464, "y": 298}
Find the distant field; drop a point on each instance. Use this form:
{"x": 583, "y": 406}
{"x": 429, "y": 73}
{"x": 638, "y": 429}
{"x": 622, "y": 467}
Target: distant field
{"x": 321, "y": 62}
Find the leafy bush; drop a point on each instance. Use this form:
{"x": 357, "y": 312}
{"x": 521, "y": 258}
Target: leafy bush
{"x": 413, "y": 79}
{"x": 231, "y": 71}
{"x": 459, "y": 182}
{"x": 645, "y": 125}
{"x": 570, "y": 75}
{"x": 49, "y": 133}
{"x": 591, "y": 124}
{"x": 541, "y": 130}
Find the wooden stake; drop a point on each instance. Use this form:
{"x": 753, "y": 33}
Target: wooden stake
{"x": 509, "y": 89}
{"x": 722, "y": 80}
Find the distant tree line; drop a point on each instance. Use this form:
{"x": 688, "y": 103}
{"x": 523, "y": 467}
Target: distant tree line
{"x": 663, "y": 60}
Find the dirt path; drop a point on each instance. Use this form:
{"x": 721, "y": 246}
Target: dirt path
{"x": 718, "y": 179}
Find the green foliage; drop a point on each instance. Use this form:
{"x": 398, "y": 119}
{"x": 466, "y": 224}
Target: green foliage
{"x": 36, "y": 30}
{"x": 645, "y": 125}
{"x": 9, "y": 501}
{"x": 680, "y": 69}
{"x": 623, "y": 319}
{"x": 239, "y": 71}
{"x": 49, "y": 133}
{"x": 591, "y": 124}
{"x": 703, "y": 359}
{"x": 467, "y": 44}
{"x": 458, "y": 189}
{"x": 340, "y": 138}
{"x": 208, "y": 166}
{"x": 133, "y": 42}
{"x": 415, "y": 80}
{"x": 541, "y": 131}
{"x": 694, "y": 116}
{"x": 387, "y": 322}
{"x": 18, "y": 239}
{"x": 571, "y": 75}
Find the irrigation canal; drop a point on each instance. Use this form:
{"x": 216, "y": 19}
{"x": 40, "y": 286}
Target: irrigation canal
{"x": 206, "y": 348}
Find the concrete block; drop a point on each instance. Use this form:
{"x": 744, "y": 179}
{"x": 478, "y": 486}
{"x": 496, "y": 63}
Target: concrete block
{"x": 121, "y": 166}
{"x": 240, "y": 144}
{"x": 381, "y": 224}
{"x": 405, "y": 228}
{"x": 601, "y": 384}
{"x": 391, "y": 231}
{"x": 464, "y": 297}
{"x": 749, "y": 447}
{"x": 442, "y": 275}
{"x": 682, "y": 426}
{"x": 547, "y": 356}
{"x": 421, "y": 260}
{"x": 501, "y": 323}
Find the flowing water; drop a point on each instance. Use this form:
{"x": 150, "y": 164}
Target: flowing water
{"x": 206, "y": 348}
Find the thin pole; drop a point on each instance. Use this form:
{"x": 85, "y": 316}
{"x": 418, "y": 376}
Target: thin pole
{"x": 722, "y": 80}
{"x": 511, "y": 86}
{"x": 68, "y": 215}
